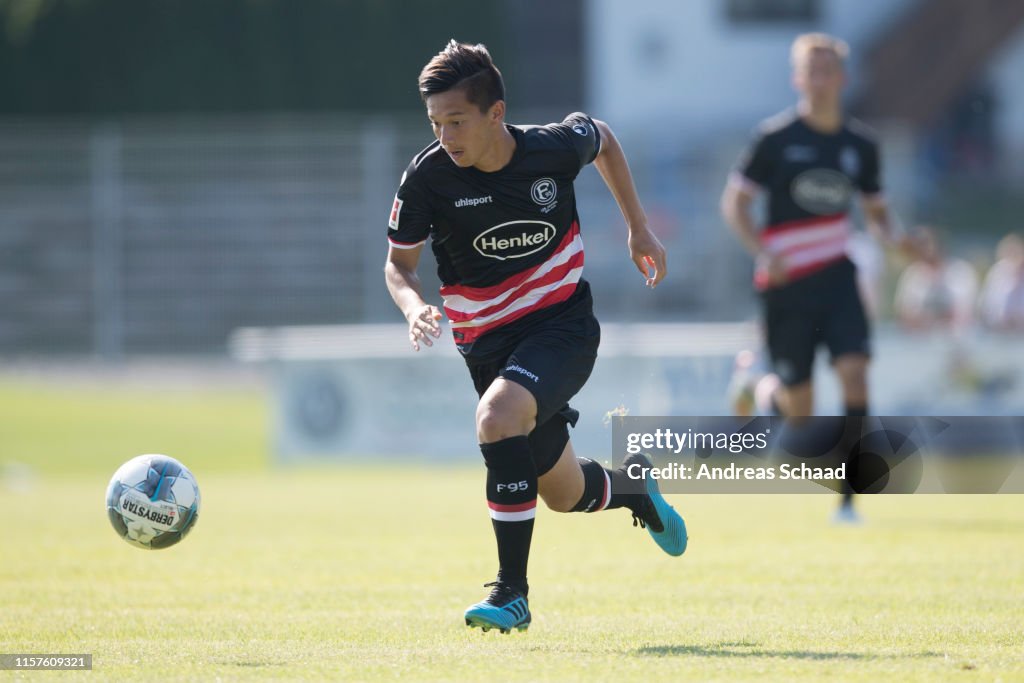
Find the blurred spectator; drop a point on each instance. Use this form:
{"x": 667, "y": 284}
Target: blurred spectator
{"x": 935, "y": 292}
{"x": 1001, "y": 304}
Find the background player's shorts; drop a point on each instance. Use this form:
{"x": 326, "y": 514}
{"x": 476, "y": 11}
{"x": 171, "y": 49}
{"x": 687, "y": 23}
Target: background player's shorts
{"x": 552, "y": 362}
{"x": 823, "y": 308}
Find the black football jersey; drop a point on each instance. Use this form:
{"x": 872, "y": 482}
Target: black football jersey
{"x": 507, "y": 242}
{"x": 810, "y": 179}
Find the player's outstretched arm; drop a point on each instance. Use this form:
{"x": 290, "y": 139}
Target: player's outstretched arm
{"x": 407, "y": 293}
{"x": 735, "y": 207}
{"x": 644, "y": 247}
{"x": 736, "y": 211}
{"x": 886, "y": 228}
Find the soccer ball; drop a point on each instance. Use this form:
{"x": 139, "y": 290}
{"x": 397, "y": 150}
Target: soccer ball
{"x": 153, "y": 501}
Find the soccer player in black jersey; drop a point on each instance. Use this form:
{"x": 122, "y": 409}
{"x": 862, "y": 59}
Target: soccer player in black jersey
{"x": 496, "y": 202}
{"x": 811, "y": 161}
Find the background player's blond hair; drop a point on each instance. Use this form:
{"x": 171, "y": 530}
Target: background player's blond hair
{"x": 806, "y": 42}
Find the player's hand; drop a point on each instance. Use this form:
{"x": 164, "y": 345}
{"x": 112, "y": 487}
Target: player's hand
{"x": 649, "y": 256}
{"x": 910, "y": 246}
{"x": 424, "y": 323}
{"x": 775, "y": 266}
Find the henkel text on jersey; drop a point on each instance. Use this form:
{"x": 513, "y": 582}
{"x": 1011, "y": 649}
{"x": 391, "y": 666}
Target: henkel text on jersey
{"x": 810, "y": 179}
{"x": 507, "y": 243}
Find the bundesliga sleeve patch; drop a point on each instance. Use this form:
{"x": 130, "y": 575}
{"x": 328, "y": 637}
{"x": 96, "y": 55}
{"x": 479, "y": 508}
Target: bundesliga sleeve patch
{"x": 396, "y": 210}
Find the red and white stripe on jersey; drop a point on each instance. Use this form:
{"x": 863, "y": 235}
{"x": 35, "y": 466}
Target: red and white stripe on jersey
{"x": 404, "y": 245}
{"x": 806, "y": 246}
{"x": 474, "y": 311}
{"x": 520, "y": 512}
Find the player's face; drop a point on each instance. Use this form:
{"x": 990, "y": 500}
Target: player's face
{"x": 465, "y": 132}
{"x": 818, "y": 75}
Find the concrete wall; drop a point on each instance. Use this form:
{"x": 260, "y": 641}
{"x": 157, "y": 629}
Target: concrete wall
{"x": 687, "y": 69}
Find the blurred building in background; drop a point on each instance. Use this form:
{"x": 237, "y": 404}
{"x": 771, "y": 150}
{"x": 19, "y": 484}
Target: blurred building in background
{"x": 170, "y": 172}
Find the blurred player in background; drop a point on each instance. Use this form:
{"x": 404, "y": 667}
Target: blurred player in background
{"x": 498, "y": 204}
{"x": 1002, "y": 295}
{"x": 936, "y": 292}
{"x": 810, "y": 161}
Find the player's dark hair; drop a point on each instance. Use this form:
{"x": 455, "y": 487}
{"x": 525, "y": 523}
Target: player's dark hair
{"x": 465, "y": 66}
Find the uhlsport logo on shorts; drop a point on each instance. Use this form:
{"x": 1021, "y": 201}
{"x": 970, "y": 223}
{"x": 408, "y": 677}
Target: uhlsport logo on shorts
{"x": 514, "y": 239}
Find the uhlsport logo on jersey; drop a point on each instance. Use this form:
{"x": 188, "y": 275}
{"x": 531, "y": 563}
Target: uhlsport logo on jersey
{"x": 514, "y": 239}
{"x": 799, "y": 154}
{"x": 473, "y": 201}
{"x": 822, "y": 191}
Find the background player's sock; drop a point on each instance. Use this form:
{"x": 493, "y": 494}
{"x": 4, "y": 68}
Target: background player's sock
{"x": 512, "y": 500}
{"x": 859, "y": 412}
{"x": 605, "y": 489}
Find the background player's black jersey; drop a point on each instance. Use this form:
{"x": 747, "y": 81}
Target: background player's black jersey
{"x": 507, "y": 243}
{"x": 811, "y": 178}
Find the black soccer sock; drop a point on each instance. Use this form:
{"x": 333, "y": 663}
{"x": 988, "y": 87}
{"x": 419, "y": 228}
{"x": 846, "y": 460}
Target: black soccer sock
{"x": 512, "y": 500}
{"x": 604, "y": 489}
{"x": 847, "y": 490}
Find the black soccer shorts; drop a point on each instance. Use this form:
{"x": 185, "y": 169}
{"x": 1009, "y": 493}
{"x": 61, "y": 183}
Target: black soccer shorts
{"x": 552, "y": 362}
{"x": 822, "y": 308}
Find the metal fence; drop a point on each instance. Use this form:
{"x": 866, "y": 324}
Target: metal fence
{"x": 166, "y": 234}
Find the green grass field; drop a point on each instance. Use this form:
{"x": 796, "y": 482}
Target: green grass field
{"x": 348, "y": 573}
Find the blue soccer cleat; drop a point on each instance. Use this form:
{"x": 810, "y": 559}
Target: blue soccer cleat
{"x": 847, "y": 515}
{"x": 504, "y": 609}
{"x": 653, "y": 513}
